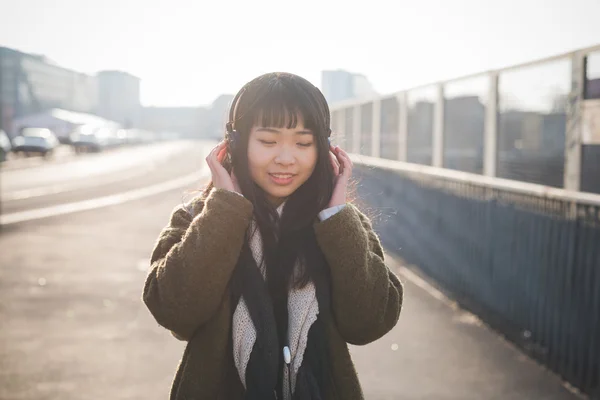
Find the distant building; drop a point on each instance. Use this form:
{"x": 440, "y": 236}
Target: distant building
{"x": 337, "y": 85}
{"x": 191, "y": 122}
{"x": 119, "y": 97}
{"x": 31, "y": 84}
{"x": 185, "y": 121}
{"x": 340, "y": 85}
{"x": 362, "y": 87}
{"x": 216, "y": 117}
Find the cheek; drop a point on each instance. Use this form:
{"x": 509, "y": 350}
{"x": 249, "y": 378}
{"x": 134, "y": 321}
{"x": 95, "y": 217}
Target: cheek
{"x": 309, "y": 160}
{"x": 257, "y": 158}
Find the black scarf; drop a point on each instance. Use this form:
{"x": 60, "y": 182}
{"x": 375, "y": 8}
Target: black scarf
{"x": 264, "y": 372}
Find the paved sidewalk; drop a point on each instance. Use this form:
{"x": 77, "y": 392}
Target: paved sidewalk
{"x": 439, "y": 351}
{"x": 74, "y": 326}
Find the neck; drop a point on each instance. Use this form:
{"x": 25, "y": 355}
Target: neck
{"x": 276, "y": 201}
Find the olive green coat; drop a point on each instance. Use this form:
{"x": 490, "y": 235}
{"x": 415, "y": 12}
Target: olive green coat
{"x": 187, "y": 292}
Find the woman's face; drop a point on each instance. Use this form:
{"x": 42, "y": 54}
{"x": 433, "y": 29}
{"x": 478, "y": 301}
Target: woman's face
{"x": 280, "y": 160}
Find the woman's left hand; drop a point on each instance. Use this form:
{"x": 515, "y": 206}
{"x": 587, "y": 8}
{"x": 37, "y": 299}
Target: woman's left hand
{"x": 342, "y": 169}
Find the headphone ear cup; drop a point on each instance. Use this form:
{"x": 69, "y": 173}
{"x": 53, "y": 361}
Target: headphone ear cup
{"x": 233, "y": 140}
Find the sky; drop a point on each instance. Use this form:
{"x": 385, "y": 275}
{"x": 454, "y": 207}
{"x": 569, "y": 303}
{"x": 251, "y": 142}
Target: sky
{"x": 188, "y": 52}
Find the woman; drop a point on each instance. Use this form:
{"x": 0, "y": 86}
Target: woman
{"x": 271, "y": 271}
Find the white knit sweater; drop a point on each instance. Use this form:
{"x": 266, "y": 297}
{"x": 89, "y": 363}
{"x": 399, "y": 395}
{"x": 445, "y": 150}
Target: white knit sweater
{"x": 303, "y": 310}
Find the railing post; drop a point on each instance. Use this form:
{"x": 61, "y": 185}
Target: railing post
{"x": 340, "y": 124}
{"x": 490, "y": 140}
{"x": 438, "y": 129}
{"x": 402, "y": 126}
{"x": 572, "y": 177}
{"x": 376, "y": 128}
{"x": 356, "y": 128}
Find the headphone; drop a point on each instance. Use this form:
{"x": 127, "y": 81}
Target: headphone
{"x": 233, "y": 137}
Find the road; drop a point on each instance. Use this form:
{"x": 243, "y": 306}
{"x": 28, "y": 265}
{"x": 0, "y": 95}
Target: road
{"x": 74, "y": 326}
{"x": 95, "y": 175}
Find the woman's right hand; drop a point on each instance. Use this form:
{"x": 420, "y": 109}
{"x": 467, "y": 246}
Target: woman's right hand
{"x": 220, "y": 177}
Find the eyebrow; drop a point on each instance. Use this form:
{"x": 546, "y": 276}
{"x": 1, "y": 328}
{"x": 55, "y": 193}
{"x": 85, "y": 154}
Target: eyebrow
{"x": 272, "y": 130}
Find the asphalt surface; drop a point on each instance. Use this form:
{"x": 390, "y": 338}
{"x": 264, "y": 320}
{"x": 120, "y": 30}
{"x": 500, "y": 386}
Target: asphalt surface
{"x": 94, "y": 175}
{"x": 62, "y": 153}
{"x": 73, "y": 325}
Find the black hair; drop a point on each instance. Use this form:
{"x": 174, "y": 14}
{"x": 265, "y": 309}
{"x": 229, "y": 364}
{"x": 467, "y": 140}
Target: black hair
{"x": 278, "y": 100}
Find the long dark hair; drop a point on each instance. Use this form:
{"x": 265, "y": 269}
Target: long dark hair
{"x": 278, "y": 100}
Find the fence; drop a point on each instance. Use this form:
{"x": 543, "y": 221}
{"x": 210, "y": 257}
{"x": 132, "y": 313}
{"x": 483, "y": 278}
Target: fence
{"x": 524, "y": 257}
{"x": 538, "y": 122}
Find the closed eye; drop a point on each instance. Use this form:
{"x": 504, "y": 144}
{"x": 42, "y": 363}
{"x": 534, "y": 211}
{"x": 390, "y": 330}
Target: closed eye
{"x": 270, "y": 143}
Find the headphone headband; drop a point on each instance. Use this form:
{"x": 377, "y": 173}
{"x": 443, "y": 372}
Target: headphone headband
{"x": 229, "y": 126}
{"x": 234, "y": 103}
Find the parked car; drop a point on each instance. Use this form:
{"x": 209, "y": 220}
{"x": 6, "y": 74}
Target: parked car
{"x": 85, "y": 139}
{"x": 5, "y": 145}
{"x": 35, "y": 141}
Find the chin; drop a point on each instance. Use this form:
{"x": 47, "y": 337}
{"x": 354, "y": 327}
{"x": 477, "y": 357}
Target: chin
{"x": 279, "y": 193}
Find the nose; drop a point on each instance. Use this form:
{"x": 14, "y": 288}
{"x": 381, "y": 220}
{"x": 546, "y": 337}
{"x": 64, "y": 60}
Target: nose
{"x": 285, "y": 156}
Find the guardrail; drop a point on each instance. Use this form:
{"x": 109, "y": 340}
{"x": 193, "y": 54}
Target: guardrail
{"x": 534, "y": 122}
{"x": 524, "y": 257}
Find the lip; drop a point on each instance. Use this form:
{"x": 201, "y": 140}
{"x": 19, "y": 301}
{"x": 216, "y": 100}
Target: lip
{"x": 282, "y": 179}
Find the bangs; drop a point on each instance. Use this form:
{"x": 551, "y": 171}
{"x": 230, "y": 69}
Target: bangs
{"x": 277, "y": 115}
{"x": 284, "y": 104}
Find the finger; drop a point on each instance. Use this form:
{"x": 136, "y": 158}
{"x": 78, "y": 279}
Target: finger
{"x": 338, "y": 156}
{"x": 212, "y": 171}
{"x": 346, "y": 163}
{"x": 219, "y": 147}
{"x": 335, "y": 161}
{"x": 343, "y": 151}
{"x": 335, "y": 164}
{"x": 221, "y": 155}
{"x": 346, "y": 157}
{"x": 210, "y": 163}
{"x": 213, "y": 161}
{"x": 213, "y": 155}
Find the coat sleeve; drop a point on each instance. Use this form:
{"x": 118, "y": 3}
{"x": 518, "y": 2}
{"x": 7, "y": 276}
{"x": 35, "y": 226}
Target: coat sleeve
{"x": 193, "y": 260}
{"x": 366, "y": 295}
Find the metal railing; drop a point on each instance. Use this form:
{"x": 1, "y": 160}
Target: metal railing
{"x": 524, "y": 257}
{"x": 522, "y": 122}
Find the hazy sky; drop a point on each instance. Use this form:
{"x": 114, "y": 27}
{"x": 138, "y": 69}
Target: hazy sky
{"x": 187, "y": 52}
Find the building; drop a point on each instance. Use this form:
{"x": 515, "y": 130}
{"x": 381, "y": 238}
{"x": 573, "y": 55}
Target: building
{"x": 119, "y": 97}
{"x": 362, "y": 87}
{"x": 337, "y": 85}
{"x": 31, "y": 84}
{"x": 190, "y": 122}
{"x": 340, "y": 85}
{"x": 185, "y": 121}
{"x": 217, "y": 115}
